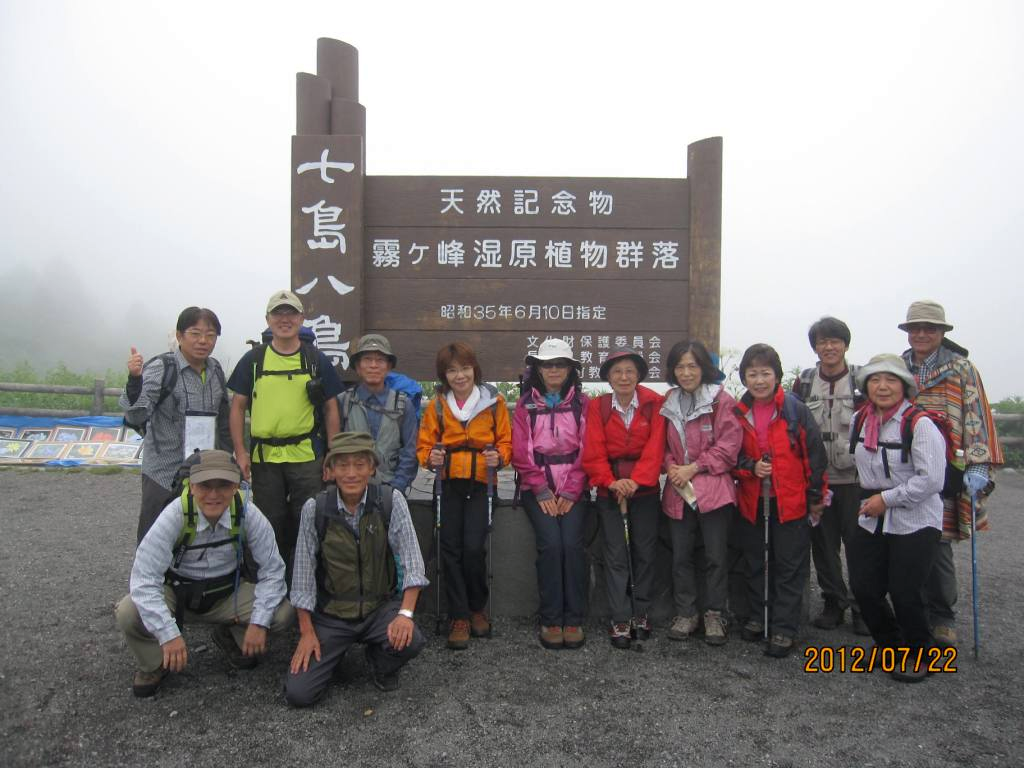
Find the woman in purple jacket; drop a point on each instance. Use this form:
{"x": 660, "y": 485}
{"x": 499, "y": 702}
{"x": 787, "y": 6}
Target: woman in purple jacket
{"x": 547, "y": 448}
{"x": 702, "y": 441}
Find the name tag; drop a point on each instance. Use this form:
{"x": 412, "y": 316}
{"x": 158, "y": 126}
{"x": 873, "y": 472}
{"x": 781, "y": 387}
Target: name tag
{"x": 706, "y": 427}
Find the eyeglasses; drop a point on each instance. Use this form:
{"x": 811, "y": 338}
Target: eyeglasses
{"x": 284, "y": 312}
{"x": 830, "y": 343}
{"x": 927, "y": 328}
{"x": 193, "y": 335}
{"x": 215, "y": 485}
{"x": 556, "y": 364}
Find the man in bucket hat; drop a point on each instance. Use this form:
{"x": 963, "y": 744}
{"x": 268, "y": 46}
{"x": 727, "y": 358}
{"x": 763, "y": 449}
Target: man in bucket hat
{"x": 220, "y": 566}
{"x": 386, "y": 413}
{"x": 949, "y": 383}
{"x": 345, "y": 584}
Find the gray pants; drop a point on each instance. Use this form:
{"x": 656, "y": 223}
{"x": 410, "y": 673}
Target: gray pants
{"x": 713, "y": 529}
{"x": 154, "y": 498}
{"x": 941, "y": 587}
{"x": 147, "y": 650}
{"x": 644, "y": 512}
{"x": 836, "y": 529}
{"x": 336, "y": 636}
{"x": 280, "y": 490}
{"x": 788, "y": 570}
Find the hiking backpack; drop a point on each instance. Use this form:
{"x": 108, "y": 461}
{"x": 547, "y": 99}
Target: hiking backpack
{"x": 168, "y": 381}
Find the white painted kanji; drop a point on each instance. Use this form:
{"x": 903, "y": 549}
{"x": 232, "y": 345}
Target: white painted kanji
{"x": 620, "y": 341}
{"x": 448, "y": 311}
{"x": 386, "y": 253}
{"x": 451, "y": 199}
{"x": 593, "y": 372}
{"x": 593, "y": 254}
{"x": 654, "y": 373}
{"x": 488, "y": 253}
{"x": 325, "y": 165}
{"x": 418, "y": 250}
{"x": 600, "y": 312}
{"x": 558, "y": 254}
{"x": 534, "y": 312}
{"x": 586, "y": 341}
{"x": 451, "y": 253}
{"x": 525, "y": 202}
{"x": 524, "y": 254}
{"x": 464, "y": 312}
{"x": 488, "y": 201}
{"x": 533, "y": 342}
{"x": 638, "y": 342}
{"x": 654, "y": 356}
{"x": 665, "y": 254}
{"x": 602, "y": 355}
{"x": 563, "y": 203}
{"x": 583, "y": 312}
{"x": 328, "y": 339}
{"x": 505, "y": 311}
{"x": 603, "y": 342}
{"x": 601, "y": 203}
{"x": 654, "y": 342}
{"x": 326, "y": 229}
{"x": 586, "y": 356}
{"x": 629, "y": 253}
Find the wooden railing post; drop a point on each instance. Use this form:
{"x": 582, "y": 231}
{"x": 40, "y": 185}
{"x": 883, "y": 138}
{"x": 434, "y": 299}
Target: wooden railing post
{"x": 98, "y": 385}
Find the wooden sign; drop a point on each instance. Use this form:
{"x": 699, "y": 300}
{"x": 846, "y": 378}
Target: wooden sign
{"x": 500, "y": 262}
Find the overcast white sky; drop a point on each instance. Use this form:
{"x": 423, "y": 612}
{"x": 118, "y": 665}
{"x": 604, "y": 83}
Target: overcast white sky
{"x": 872, "y": 152}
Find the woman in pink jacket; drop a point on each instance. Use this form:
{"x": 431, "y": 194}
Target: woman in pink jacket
{"x": 702, "y": 441}
{"x": 547, "y": 447}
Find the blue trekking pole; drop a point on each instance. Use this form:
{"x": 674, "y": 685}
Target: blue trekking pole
{"x": 974, "y": 567}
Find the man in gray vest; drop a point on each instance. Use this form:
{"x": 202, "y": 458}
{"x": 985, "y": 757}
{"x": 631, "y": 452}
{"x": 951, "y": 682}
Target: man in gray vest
{"x": 830, "y": 395}
{"x": 345, "y": 589}
{"x": 385, "y": 413}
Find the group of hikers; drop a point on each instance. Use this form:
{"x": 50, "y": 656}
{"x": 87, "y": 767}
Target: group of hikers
{"x": 308, "y": 520}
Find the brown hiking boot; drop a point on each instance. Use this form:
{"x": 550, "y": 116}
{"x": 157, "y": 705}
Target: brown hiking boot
{"x": 573, "y": 637}
{"x": 551, "y": 637}
{"x": 145, "y": 684}
{"x": 479, "y": 624}
{"x": 458, "y": 635}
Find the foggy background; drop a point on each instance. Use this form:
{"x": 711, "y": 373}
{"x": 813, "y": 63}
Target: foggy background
{"x": 872, "y": 153}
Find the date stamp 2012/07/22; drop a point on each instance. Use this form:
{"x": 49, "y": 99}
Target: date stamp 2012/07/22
{"x": 826, "y": 659}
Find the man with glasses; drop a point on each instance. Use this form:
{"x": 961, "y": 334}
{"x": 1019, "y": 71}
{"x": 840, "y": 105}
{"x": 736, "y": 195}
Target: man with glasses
{"x": 179, "y": 401}
{"x": 383, "y": 412}
{"x": 289, "y": 387}
{"x": 950, "y": 384}
{"x": 830, "y": 395}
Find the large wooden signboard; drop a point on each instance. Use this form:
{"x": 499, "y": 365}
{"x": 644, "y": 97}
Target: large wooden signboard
{"x": 500, "y": 262}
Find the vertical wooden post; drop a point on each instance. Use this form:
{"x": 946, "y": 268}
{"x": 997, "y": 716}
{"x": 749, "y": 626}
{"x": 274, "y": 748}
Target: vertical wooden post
{"x": 98, "y": 385}
{"x": 704, "y": 171}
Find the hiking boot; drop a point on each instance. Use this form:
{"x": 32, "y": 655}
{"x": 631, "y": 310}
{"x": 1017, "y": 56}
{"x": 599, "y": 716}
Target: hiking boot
{"x": 145, "y": 684}
{"x": 620, "y": 635}
{"x": 714, "y": 628}
{"x": 859, "y": 627}
{"x": 551, "y": 637}
{"x": 458, "y": 635}
{"x": 573, "y": 637}
{"x": 831, "y": 616}
{"x": 779, "y": 646}
{"x": 945, "y": 637}
{"x": 682, "y": 627}
{"x": 642, "y": 629}
{"x": 224, "y": 640}
{"x": 752, "y": 631}
{"x": 479, "y": 624}
{"x": 386, "y": 683}
{"x": 910, "y": 674}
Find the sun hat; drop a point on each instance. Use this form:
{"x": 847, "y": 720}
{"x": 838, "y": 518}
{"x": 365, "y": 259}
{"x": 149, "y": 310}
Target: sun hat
{"x": 215, "y": 465}
{"x": 284, "y": 299}
{"x": 926, "y": 311}
{"x": 373, "y": 342}
{"x": 887, "y": 363}
{"x": 553, "y": 349}
{"x": 352, "y": 442}
{"x": 620, "y": 354}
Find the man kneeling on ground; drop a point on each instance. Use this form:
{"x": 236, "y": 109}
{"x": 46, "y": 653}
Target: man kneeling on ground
{"x": 219, "y": 567}
{"x": 345, "y": 580}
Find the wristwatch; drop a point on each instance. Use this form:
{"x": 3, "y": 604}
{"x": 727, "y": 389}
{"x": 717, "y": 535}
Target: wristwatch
{"x": 405, "y": 612}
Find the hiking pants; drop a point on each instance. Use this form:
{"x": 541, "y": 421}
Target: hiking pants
{"x": 882, "y": 563}
{"x": 837, "y": 526}
{"x": 148, "y": 653}
{"x": 463, "y": 546}
{"x": 280, "y": 489}
{"x": 712, "y": 528}
{"x": 154, "y": 498}
{"x": 788, "y": 568}
{"x": 941, "y": 588}
{"x": 561, "y": 562}
{"x": 644, "y": 512}
{"x": 336, "y": 636}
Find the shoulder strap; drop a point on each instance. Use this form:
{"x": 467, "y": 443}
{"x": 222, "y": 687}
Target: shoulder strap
{"x": 345, "y": 405}
{"x": 169, "y": 378}
{"x": 383, "y": 500}
{"x": 605, "y": 403}
{"x": 802, "y": 385}
{"x": 261, "y": 357}
{"x": 320, "y": 518}
{"x": 311, "y": 359}
{"x": 439, "y": 407}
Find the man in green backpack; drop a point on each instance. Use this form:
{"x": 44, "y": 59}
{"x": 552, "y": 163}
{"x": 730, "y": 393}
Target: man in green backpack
{"x": 220, "y": 567}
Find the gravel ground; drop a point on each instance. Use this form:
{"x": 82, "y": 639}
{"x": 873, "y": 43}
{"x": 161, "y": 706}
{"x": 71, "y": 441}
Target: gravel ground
{"x": 65, "y": 553}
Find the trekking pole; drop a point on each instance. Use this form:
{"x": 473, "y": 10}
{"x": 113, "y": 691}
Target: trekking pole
{"x": 766, "y": 489}
{"x": 624, "y": 511}
{"x": 974, "y": 568}
{"x": 490, "y": 527}
{"x": 439, "y": 623}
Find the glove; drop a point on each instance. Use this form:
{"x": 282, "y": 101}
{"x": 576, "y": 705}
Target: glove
{"x": 974, "y": 483}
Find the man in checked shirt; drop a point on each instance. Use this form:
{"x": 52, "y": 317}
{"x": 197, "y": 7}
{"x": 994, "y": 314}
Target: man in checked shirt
{"x": 345, "y": 587}
{"x": 218, "y": 565}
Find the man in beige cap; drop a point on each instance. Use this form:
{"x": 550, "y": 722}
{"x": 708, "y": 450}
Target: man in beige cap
{"x": 950, "y": 384}
{"x": 289, "y": 386}
{"x": 386, "y": 413}
{"x": 220, "y": 566}
{"x": 346, "y": 588}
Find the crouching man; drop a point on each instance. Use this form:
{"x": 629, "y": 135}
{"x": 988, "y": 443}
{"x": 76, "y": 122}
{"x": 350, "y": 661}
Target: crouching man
{"x": 345, "y": 580}
{"x": 220, "y": 567}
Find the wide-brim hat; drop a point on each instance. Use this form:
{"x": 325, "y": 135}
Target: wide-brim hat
{"x": 887, "y": 363}
{"x": 553, "y": 349}
{"x": 621, "y": 354}
{"x": 352, "y": 442}
{"x": 372, "y": 342}
{"x": 215, "y": 465}
{"x": 284, "y": 299}
{"x": 926, "y": 311}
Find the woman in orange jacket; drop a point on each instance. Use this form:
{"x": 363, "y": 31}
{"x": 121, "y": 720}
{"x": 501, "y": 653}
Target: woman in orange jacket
{"x": 465, "y": 434}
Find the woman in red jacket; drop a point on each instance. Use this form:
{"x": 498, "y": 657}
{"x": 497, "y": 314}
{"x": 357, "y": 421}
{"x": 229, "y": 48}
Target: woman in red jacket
{"x": 622, "y": 453}
{"x": 781, "y": 477}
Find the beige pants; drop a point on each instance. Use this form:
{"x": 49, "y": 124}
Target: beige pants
{"x": 147, "y": 650}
